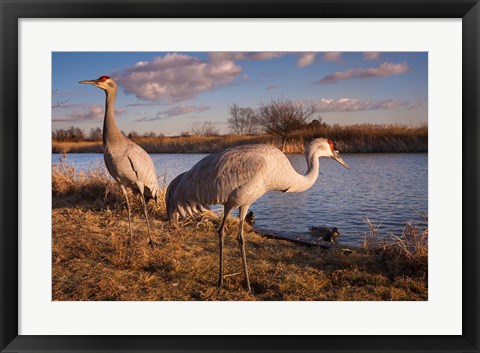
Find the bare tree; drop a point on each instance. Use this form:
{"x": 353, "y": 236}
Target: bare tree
{"x": 95, "y": 134}
{"x": 74, "y": 134}
{"x": 243, "y": 121}
{"x": 133, "y": 134}
{"x": 149, "y": 134}
{"x": 282, "y": 117}
{"x": 59, "y": 135}
{"x": 208, "y": 128}
{"x": 59, "y": 104}
{"x": 317, "y": 122}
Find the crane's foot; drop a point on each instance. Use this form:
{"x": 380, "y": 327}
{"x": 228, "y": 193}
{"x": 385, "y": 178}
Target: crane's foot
{"x": 130, "y": 239}
{"x": 219, "y": 287}
{"x": 151, "y": 243}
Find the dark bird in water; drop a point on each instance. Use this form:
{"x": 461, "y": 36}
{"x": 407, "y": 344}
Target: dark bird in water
{"x": 250, "y": 218}
{"x": 327, "y": 233}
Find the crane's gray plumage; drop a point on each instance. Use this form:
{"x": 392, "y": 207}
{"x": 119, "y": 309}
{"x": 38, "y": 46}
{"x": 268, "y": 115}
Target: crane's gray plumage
{"x": 237, "y": 177}
{"x": 126, "y": 162}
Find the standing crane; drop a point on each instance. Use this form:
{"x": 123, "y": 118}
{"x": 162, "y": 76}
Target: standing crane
{"x": 126, "y": 162}
{"x": 237, "y": 177}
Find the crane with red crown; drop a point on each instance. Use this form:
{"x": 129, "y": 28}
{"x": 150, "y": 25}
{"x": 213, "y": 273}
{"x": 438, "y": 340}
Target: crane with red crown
{"x": 126, "y": 161}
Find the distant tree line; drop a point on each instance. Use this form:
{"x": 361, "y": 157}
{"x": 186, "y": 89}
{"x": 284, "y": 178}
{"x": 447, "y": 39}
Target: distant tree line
{"x": 73, "y": 134}
{"x": 76, "y": 134}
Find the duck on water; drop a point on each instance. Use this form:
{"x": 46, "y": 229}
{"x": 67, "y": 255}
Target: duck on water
{"x": 326, "y": 233}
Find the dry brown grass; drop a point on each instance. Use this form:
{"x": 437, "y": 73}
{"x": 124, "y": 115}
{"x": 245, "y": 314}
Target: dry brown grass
{"x": 352, "y": 138}
{"x": 413, "y": 242}
{"x": 92, "y": 259}
{"x": 95, "y": 189}
{"x": 77, "y": 147}
{"x": 368, "y": 138}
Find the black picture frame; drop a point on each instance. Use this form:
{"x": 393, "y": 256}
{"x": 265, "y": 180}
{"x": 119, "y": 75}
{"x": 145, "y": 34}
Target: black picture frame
{"x": 12, "y": 11}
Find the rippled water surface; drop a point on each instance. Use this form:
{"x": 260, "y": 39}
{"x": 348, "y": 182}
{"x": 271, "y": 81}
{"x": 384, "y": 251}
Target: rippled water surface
{"x": 387, "y": 188}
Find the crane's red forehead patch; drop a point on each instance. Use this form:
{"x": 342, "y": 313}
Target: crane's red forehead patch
{"x": 103, "y": 78}
{"x": 331, "y": 145}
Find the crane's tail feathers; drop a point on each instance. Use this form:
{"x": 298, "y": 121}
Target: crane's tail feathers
{"x": 203, "y": 208}
{"x": 181, "y": 210}
{"x": 189, "y": 210}
{"x": 182, "y": 203}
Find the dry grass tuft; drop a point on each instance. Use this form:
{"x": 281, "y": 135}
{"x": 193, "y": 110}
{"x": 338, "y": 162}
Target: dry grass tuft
{"x": 412, "y": 243}
{"x": 93, "y": 260}
{"x": 408, "y": 252}
{"x": 96, "y": 190}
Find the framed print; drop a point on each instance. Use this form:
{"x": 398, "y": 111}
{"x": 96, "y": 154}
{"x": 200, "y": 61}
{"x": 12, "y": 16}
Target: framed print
{"x": 345, "y": 134}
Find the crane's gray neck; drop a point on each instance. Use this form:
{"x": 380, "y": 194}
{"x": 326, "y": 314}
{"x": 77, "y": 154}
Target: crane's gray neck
{"x": 304, "y": 182}
{"x": 110, "y": 129}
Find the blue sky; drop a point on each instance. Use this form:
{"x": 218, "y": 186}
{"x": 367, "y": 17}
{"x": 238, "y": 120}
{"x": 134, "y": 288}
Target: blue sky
{"x": 171, "y": 92}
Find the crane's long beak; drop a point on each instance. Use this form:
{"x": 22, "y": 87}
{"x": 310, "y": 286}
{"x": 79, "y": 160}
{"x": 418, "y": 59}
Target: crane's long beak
{"x": 337, "y": 157}
{"x": 90, "y": 82}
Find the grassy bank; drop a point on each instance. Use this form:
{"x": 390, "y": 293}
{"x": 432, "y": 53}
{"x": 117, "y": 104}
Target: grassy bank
{"x": 352, "y": 138}
{"x": 92, "y": 260}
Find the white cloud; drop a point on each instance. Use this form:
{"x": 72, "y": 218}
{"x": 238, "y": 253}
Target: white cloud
{"x": 306, "y": 59}
{"x": 371, "y": 55}
{"x": 238, "y": 56}
{"x": 419, "y": 103}
{"x": 142, "y": 104}
{"x": 273, "y": 87}
{"x": 91, "y": 113}
{"x": 333, "y": 56}
{"x": 354, "y": 104}
{"x": 176, "y": 111}
{"x": 175, "y": 77}
{"x": 384, "y": 70}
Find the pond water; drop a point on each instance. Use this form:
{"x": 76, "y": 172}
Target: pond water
{"x": 389, "y": 189}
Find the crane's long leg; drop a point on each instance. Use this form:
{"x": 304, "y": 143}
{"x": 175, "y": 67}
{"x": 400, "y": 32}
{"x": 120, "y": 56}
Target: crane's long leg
{"x": 141, "y": 188}
{"x": 227, "y": 209}
{"x": 150, "y": 240}
{"x": 241, "y": 242}
{"x": 128, "y": 208}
